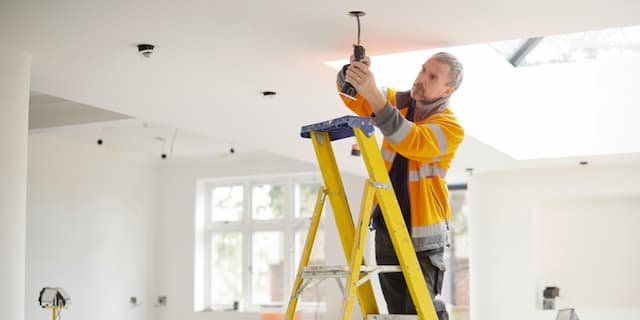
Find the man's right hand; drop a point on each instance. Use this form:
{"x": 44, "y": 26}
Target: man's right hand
{"x": 360, "y": 76}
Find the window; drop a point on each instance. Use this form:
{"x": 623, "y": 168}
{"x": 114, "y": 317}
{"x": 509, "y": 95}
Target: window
{"x": 564, "y": 48}
{"x": 456, "y": 284}
{"x": 252, "y": 241}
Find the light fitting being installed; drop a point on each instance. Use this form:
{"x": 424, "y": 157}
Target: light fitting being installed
{"x": 348, "y": 90}
{"x": 146, "y": 49}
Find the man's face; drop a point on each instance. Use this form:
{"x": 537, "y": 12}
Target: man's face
{"x": 431, "y": 83}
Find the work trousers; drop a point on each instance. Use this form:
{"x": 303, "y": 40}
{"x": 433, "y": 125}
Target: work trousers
{"x": 394, "y": 287}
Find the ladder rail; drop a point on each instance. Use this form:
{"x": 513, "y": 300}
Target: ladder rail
{"x": 358, "y": 248}
{"x": 342, "y": 214}
{"x": 306, "y": 252}
{"x": 398, "y": 232}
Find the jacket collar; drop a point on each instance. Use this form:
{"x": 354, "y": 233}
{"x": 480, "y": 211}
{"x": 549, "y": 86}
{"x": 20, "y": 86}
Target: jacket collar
{"x": 404, "y": 100}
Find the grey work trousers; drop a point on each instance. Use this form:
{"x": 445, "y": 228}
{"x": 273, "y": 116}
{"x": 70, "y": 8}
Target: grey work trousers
{"x": 394, "y": 287}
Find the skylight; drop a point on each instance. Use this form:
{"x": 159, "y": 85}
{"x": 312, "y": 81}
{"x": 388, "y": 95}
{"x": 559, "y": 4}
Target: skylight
{"x": 574, "y": 47}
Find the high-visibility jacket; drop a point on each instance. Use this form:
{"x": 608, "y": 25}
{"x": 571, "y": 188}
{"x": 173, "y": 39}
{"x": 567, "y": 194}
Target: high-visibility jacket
{"x": 429, "y": 143}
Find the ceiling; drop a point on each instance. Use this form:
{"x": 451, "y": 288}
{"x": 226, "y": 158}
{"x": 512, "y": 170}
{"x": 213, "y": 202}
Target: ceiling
{"x": 213, "y": 59}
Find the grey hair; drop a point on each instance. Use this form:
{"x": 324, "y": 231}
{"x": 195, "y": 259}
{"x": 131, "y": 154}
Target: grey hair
{"x": 457, "y": 72}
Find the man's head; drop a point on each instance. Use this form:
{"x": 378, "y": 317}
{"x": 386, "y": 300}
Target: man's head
{"x": 439, "y": 77}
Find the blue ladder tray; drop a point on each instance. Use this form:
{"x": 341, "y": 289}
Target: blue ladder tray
{"x": 339, "y": 128}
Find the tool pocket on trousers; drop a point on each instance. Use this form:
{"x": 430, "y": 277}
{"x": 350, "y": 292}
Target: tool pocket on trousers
{"x": 437, "y": 260}
{"x": 433, "y": 268}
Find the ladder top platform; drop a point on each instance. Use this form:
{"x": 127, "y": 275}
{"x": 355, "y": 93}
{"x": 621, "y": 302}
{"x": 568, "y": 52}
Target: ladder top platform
{"x": 339, "y": 128}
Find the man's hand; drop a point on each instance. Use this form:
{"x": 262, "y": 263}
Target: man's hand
{"x": 359, "y": 75}
{"x": 364, "y": 60}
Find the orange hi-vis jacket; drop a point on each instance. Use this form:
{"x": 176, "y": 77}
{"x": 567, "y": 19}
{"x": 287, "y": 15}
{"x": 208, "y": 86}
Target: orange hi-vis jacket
{"x": 429, "y": 143}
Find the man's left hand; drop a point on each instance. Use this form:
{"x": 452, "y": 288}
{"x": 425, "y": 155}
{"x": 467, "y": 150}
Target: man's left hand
{"x": 359, "y": 75}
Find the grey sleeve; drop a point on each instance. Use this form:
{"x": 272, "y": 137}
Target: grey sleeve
{"x": 393, "y": 125}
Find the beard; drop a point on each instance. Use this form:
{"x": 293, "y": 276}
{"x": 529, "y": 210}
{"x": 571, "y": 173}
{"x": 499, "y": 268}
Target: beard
{"x": 418, "y": 94}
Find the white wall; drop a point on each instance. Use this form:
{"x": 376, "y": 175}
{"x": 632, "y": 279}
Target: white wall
{"x": 598, "y": 236}
{"x": 516, "y": 219}
{"x": 90, "y": 230}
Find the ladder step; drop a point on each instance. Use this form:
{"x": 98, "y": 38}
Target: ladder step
{"x": 323, "y": 272}
{"x": 392, "y": 317}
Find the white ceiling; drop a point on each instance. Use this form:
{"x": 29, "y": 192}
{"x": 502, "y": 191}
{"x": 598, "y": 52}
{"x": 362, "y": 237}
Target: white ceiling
{"x": 213, "y": 58}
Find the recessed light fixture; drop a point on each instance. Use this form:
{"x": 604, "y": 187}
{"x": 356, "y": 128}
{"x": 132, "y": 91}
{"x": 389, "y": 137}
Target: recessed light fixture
{"x": 583, "y": 163}
{"x": 269, "y": 93}
{"x": 146, "y": 49}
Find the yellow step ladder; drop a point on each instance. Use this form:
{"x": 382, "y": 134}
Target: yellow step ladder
{"x": 353, "y": 238}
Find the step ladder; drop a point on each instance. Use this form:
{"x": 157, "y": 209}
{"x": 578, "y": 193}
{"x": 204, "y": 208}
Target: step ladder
{"x": 353, "y": 237}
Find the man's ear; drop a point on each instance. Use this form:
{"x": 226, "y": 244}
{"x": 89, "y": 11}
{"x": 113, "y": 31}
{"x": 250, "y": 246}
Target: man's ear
{"x": 448, "y": 91}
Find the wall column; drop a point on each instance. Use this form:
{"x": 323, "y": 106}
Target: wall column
{"x": 15, "y": 74}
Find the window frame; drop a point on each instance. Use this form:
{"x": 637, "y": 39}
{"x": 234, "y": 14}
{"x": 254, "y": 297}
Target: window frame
{"x": 248, "y": 227}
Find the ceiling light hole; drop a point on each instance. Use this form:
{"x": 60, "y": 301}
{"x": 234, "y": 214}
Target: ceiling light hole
{"x": 146, "y": 49}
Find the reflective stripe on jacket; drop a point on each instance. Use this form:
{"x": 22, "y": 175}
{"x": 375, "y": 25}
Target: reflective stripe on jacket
{"x": 429, "y": 143}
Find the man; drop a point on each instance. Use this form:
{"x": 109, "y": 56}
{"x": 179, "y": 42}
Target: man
{"x": 421, "y": 136}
